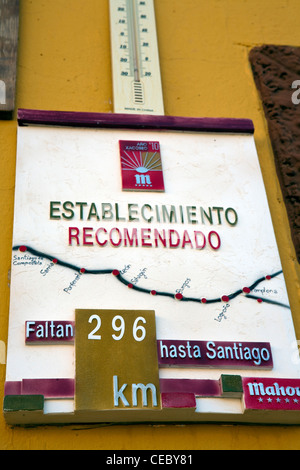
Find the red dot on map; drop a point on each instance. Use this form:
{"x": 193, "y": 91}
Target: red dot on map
{"x": 246, "y": 290}
{"x": 178, "y": 296}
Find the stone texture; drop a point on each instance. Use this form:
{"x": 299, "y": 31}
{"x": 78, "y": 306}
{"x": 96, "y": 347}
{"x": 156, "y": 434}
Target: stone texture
{"x": 275, "y": 68}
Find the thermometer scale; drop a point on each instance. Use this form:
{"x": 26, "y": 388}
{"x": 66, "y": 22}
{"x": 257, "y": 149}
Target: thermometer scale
{"x": 135, "y": 60}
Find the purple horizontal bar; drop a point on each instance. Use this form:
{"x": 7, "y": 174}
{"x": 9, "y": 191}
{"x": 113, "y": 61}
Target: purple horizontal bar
{"x": 134, "y": 121}
{"x": 13, "y": 387}
{"x": 50, "y": 388}
{"x": 178, "y": 400}
{"x": 198, "y": 387}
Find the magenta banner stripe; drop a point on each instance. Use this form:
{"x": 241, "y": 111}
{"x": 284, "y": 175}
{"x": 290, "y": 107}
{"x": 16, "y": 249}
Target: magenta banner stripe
{"x": 50, "y": 388}
{"x": 129, "y": 121}
{"x": 13, "y": 388}
{"x": 178, "y": 400}
{"x": 198, "y": 387}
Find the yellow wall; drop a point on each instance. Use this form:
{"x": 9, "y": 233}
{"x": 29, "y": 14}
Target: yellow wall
{"x": 64, "y": 64}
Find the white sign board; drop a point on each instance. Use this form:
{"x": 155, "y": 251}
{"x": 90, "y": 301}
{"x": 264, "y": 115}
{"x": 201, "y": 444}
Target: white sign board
{"x": 192, "y": 268}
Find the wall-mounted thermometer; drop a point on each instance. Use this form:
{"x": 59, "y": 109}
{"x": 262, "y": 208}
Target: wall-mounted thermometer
{"x": 135, "y": 60}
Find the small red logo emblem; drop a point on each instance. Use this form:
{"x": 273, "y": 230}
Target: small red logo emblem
{"x": 141, "y": 166}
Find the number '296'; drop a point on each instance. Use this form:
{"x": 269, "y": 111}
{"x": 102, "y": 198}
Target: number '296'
{"x": 118, "y": 325}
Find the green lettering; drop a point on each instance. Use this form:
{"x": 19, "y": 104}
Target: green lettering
{"x": 68, "y": 209}
{"x": 54, "y": 209}
{"x": 93, "y": 212}
{"x": 209, "y": 217}
{"x": 132, "y": 212}
{"x": 107, "y": 211}
{"x": 218, "y": 209}
{"x": 81, "y": 204}
{"x": 191, "y": 213}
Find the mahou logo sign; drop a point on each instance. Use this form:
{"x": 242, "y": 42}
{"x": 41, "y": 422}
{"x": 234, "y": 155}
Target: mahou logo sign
{"x": 141, "y": 166}
{"x": 271, "y": 393}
